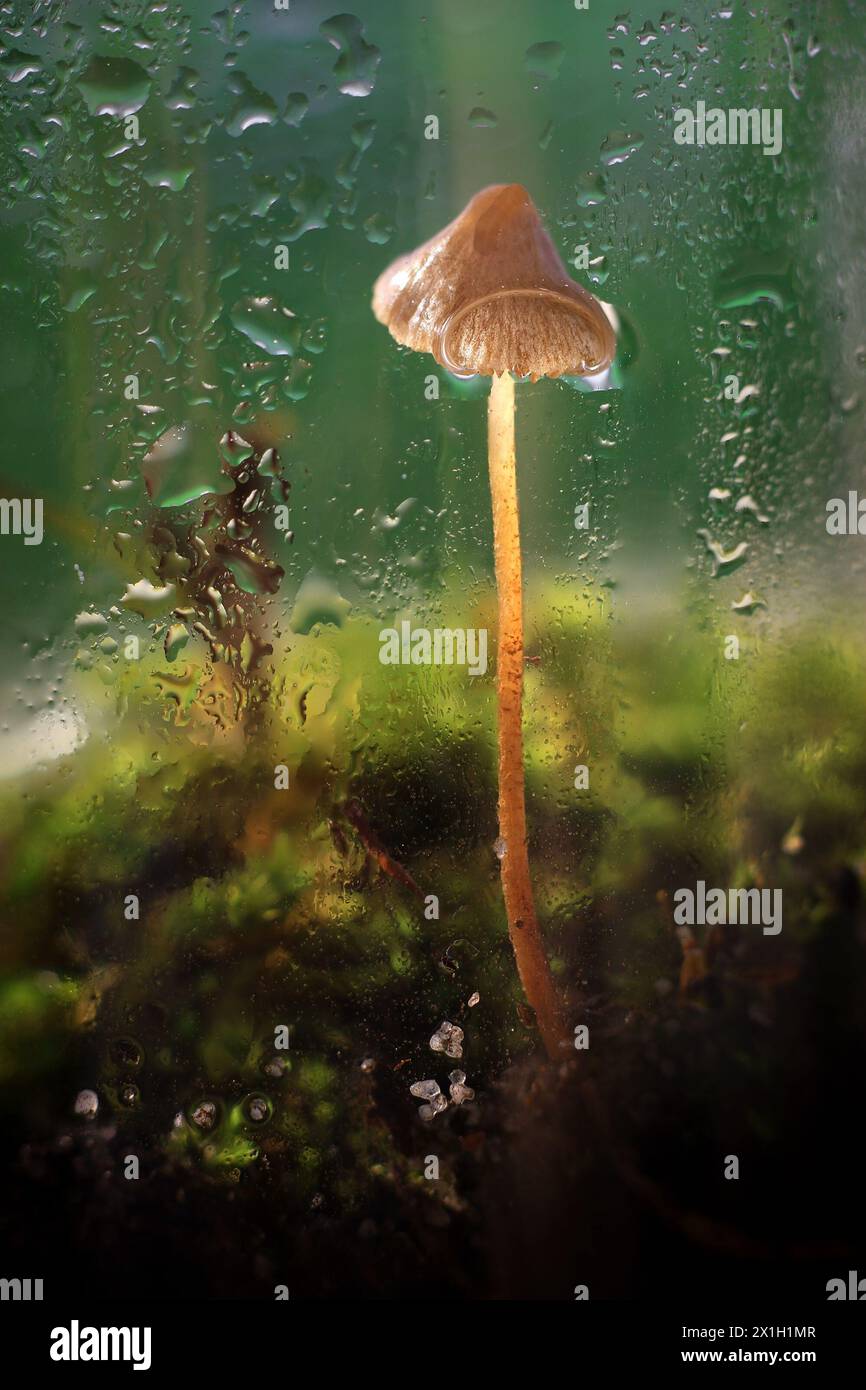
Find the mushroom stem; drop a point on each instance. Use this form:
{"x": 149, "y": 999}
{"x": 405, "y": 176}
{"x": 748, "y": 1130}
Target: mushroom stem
{"x": 532, "y": 966}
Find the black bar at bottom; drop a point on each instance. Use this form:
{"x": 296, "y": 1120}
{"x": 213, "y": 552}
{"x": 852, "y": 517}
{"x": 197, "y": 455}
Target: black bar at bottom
{"x": 222, "y": 1338}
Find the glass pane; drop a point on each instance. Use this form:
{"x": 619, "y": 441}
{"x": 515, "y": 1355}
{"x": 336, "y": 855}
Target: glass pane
{"x": 290, "y": 1008}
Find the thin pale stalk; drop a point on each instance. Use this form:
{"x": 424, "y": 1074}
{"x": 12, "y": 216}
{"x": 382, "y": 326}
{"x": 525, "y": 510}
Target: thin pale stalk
{"x": 532, "y": 965}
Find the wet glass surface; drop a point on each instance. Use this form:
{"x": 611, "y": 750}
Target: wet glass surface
{"x": 261, "y": 1021}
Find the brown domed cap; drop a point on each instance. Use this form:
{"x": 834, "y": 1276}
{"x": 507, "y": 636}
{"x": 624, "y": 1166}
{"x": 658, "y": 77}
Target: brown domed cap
{"x": 490, "y": 294}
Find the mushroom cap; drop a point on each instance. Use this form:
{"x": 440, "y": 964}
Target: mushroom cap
{"x": 489, "y": 294}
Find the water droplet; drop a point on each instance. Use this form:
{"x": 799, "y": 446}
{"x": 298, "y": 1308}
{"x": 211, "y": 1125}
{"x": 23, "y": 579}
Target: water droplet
{"x": 355, "y": 69}
{"x": 234, "y": 450}
{"x": 458, "y": 1089}
{"x": 310, "y": 200}
{"x": 481, "y": 117}
{"x": 436, "y": 1106}
{"x": 83, "y": 287}
{"x": 173, "y": 177}
{"x": 252, "y": 107}
{"x": 16, "y": 66}
{"x": 181, "y": 96}
{"x": 748, "y": 604}
{"x": 277, "y": 1067}
{"x": 448, "y": 1038}
{"x": 752, "y": 279}
{"x": 544, "y": 59}
{"x": 267, "y": 324}
{"x": 424, "y": 1090}
{"x": 88, "y": 623}
{"x": 318, "y": 601}
{"x": 149, "y": 600}
{"x": 127, "y": 1053}
{"x": 114, "y": 86}
{"x": 378, "y": 229}
{"x": 723, "y": 560}
{"x": 591, "y": 189}
{"x": 203, "y": 1115}
{"x": 748, "y": 504}
{"x": 297, "y": 106}
{"x": 182, "y": 466}
{"x": 249, "y": 571}
{"x": 619, "y": 146}
{"x": 86, "y": 1104}
{"x": 257, "y": 1109}
{"x": 176, "y": 639}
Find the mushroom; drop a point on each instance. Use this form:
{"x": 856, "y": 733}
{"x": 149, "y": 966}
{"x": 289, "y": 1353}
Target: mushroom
{"x": 489, "y": 295}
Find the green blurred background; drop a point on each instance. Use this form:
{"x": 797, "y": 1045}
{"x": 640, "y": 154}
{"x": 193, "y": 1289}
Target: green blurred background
{"x": 127, "y": 257}
{"x": 148, "y": 256}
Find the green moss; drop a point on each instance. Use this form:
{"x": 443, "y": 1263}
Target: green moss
{"x": 262, "y": 909}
